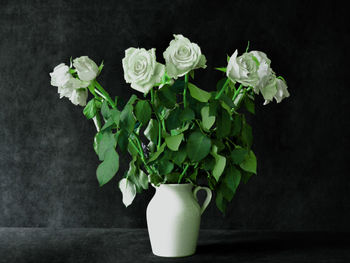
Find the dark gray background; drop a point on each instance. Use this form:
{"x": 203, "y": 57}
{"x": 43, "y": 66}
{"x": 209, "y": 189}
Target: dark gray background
{"x": 47, "y": 163}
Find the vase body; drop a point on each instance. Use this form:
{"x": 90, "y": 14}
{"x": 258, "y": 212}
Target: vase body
{"x": 173, "y": 220}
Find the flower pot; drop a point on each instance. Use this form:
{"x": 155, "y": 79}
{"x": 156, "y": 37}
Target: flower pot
{"x": 173, "y": 219}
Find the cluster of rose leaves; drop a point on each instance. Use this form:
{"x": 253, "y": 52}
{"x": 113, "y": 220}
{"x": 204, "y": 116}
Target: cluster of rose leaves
{"x": 177, "y": 133}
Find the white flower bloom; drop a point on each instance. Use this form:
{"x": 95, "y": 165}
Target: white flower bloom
{"x": 264, "y": 68}
{"x": 60, "y": 75}
{"x": 86, "y": 68}
{"x": 68, "y": 86}
{"x": 282, "y": 90}
{"x": 182, "y": 56}
{"x": 79, "y": 96}
{"x": 268, "y": 87}
{"x": 141, "y": 69}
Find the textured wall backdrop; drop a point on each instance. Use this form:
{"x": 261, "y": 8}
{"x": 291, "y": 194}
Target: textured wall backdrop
{"x": 47, "y": 163}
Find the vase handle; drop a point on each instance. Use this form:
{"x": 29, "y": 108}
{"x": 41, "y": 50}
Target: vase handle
{"x": 207, "y": 199}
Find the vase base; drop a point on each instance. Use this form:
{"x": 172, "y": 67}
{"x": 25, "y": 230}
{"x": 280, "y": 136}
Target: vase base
{"x": 174, "y": 255}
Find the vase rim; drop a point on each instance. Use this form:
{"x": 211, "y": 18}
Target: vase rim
{"x": 173, "y": 185}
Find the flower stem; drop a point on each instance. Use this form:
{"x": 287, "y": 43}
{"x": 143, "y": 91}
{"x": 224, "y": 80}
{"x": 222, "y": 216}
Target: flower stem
{"x": 108, "y": 98}
{"x": 185, "y": 90}
{"x": 183, "y": 173}
{"x": 222, "y": 89}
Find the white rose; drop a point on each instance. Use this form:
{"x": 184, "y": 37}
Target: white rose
{"x": 79, "y": 96}
{"x": 182, "y": 56}
{"x": 60, "y": 75}
{"x": 268, "y": 87}
{"x": 264, "y": 68}
{"x": 282, "y": 90}
{"x": 141, "y": 69}
{"x": 68, "y": 86}
{"x": 86, "y": 68}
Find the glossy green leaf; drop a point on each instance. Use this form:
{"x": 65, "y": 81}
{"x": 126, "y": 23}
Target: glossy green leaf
{"x": 166, "y": 97}
{"x": 151, "y": 131}
{"x": 106, "y": 141}
{"x": 173, "y": 142}
{"x": 220, "y": 163}
{"x": 207, "y": 120}
{"x": 238, "y": 155}
{"x": 249, "y": 163}
{"x": 108, "y": 168}
{"x": 157, "y": 153}
{"x": 143, "y": 111}
{"x": 249, "y": 104}
{"x": 179, "y": 156}
{"x": 165, "y": 167}
{"x": 198, "y": 146}
{"x": 198, "y": 94}
{"x": 105, "y": 111}
{"x": 223, "y": 124}
{"x": 127, "y": 119}
{"x": 90, "y": 109}
{"x": 187, "y": 114}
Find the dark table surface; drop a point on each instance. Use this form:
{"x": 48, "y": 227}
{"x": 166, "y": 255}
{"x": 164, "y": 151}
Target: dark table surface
{"x": 132, "y": 245}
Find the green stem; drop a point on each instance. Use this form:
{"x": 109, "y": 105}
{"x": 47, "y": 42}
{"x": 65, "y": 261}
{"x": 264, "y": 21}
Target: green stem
{"x": 183, "y": 173}
{"x": 108, "y": 98}
{"x": 140, "y": 152}
{"x": 237, "y": 92}
{"x": 222, "y": 89}
{"x": 185, "y": 90}
{"x": 152, "y": 96}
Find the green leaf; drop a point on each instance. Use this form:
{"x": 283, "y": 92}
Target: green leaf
{"x": 238, "y": 155}
{"x": 128, "y": 190}
{"x": 221, "y": 203}
{"x": 143, "y": 180}
{"x": 123, "y": 140}
{"x": 132, "y": 99}
{"x": 220, "y": 163}
{"x": 249, "y": 104}
{"x": 127, "y": 118}
{"x": 156, "y": 179}
{"x": 167, "y": 97}
{"x": 151, "y": 131}
{"x": 223, "y": 124}
{"x": 108, "y": 168}
{"x": 192, "y": 74}
{"x": 179, "y": 156}
{"x": 172, "y": 178}
{"x": 220, "y": 84}
{"x": 105, "y": 111}
{"x": 249, "y": 163}
{"x": 106, "y": 141}
{"x": 198, "y": 94}
{"x": 246, "y": 134}
{"x": 143, "y": 111}
{"x": 90, "y": 109}
{"x": 173, "y": 121}
{"x": 157, "y": 153}
{"x": 187, "y": 114}
{"x": 223, "y": 69}
{"x": 165, "y": 167}
{"x": 207, "y": 120}
{"x": 198, "y": 146}
{"x": 245, "y": 176}
{"x": 100, "y": 67}
{"x": 236, "y": 124}
{"x": 173, "y": 142}
{"x": 231, "y": 180}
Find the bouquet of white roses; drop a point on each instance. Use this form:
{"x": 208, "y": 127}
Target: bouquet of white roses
{"x": 176, "y": 132}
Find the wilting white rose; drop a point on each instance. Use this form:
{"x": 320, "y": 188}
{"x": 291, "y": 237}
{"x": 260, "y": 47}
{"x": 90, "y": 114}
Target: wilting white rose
{"x": 268, "y": 87}
{"x": 68, "y": 86}
{"x": 86, "y": 68}
{"x": 141, "y": 69}
{"x": 182, "y": 56}
{"x": 79, "y": 96}
{"x": 60, "y": 75}
{"x": 282, "y": 90}
{"x": 248, "y": 69}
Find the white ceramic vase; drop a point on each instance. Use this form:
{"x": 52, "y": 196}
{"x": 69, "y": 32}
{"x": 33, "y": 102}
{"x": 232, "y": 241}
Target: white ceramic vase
{"x": 173, "y": 219}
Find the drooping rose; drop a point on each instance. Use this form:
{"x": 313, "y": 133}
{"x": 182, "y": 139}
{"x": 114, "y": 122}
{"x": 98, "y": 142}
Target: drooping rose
{"x": 60, "y": 75}
{"x": 248, "y": 69}
{"x": 86, "y": 68}
{"x": 141, "y": 69}
{"x": 281, "y": 91}
{"x": 68, "y": 86}
{"x": 182, "y": 56}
